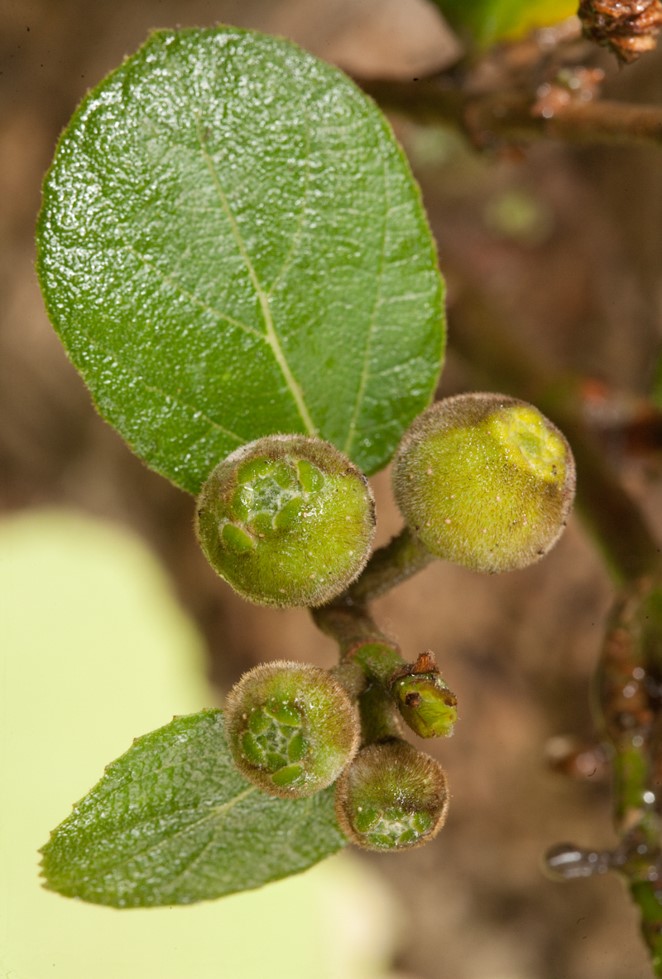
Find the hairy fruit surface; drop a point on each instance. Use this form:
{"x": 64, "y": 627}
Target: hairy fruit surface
{"x": 291, "y": 728}
{"x": 485, "y": 481}
{"x": 392, "y": 797}
{"x": 286, "y": 520}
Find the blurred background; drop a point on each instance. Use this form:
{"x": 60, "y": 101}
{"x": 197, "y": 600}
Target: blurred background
{"x": 562, "y": 246}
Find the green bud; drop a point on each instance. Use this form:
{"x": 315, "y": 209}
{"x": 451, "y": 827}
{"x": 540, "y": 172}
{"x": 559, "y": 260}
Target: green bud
{"x": 392, "y": 797}
{"x": 426, "y": 704}
{"x": 286, "y": 520}
{"x": 485, "y": 481}
{"x": 291, "y": 728}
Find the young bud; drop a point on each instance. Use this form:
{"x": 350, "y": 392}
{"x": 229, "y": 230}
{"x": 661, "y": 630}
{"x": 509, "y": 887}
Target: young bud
{"x": 286, "y": 520}
{"x": 485, "y": 481}
{"x": 392, "y": 797}
{"x": 291, "y": 728}
{"x": 425, "y": 702}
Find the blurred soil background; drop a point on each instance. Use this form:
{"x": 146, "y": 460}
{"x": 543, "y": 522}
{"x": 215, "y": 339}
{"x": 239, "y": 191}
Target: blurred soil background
{"x": 564, "y": 245}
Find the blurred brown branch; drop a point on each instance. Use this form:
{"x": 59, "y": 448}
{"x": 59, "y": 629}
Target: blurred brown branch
{"x": 514, "y": 116}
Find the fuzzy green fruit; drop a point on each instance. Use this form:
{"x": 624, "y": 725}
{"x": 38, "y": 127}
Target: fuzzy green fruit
{"x": 392, "y": 797}
{"x": 292, "y": 728}
{"x": 286, "y": 520}
{"x": 485, "y": 481}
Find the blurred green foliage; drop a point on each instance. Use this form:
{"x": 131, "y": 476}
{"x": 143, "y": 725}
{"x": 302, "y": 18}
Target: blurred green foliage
{"x": 93, "y": 651}
{"x": 487, "y": 21}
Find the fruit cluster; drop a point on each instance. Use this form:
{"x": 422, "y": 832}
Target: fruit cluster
{"x": 482, "y": 480}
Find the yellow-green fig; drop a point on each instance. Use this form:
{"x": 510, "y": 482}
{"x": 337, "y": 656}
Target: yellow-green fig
{"x": 286, "y": 520}
{"x": 291, "y": 727}
{"x": 485, "y": 481}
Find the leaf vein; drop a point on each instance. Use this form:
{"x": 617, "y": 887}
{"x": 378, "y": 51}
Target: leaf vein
{"x": 168, "y": 280}
{"x": 271, "y": 335}
{"x": 365, "y": 371}
{"x": 156, "y": 389}
{"x": 296, "y": 237}
{"x": 151, "y": 847}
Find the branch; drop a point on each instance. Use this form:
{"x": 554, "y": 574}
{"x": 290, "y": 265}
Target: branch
{"x": 628, "y": 703}
{"x": 514, "y": 116}
{"x": 390, "y": 565}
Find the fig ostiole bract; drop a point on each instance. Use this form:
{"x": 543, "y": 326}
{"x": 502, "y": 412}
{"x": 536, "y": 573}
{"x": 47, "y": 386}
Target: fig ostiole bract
{"x": 286, "y": 520}
{"x": 425, "y": 702}
{"x": 485, "y": 481}
{"x": 291, "y": 727}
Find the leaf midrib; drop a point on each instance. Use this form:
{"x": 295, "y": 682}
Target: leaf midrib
{"x": 270, "y": 335}
{"x": 365, "y": 372}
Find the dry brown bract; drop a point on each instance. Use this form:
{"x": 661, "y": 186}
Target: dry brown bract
{"x": 628, "y": 27}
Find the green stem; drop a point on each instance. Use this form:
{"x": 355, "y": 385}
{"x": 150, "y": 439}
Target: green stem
{"x": 379, "y": 718}
{"x": 347, "y": 618}
{"x": 628, "y": 684}
{"x": 648, "y": 899}
{"x": 363, "y": 646}
{"x": 390, "y": 565}
{"x": 378, "y": 660}
{"x": 367, "y": 660}
{"x": 350, "y": 625}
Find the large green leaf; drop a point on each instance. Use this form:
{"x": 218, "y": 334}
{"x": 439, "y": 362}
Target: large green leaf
{"x": 231, "y": 244}
{"x": 488, "y": 21}
{"x": 172, "y": 822}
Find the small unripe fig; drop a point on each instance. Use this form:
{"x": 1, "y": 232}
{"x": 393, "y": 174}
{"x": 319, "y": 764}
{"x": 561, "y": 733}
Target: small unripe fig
{"x": 286, "y": 520}
{"x": 392, "y": 797}
{"x": 291, "y": 727}
{"x": 485, "y": 481}
{"x": 425, "y": 702}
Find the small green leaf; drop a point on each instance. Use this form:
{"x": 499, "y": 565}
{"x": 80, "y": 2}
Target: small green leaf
{"x": 172, "y": 822}
{"x": 231, "y": 245}
{"x": 489, "y": 21}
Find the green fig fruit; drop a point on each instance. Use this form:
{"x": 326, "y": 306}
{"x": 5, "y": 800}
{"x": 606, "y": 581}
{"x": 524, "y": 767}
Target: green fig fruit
{"x": 286, "y": 520}
{"x": 392, "y": 797}
{"x": 292, "y": 728}
{"x": 485, "y": 481}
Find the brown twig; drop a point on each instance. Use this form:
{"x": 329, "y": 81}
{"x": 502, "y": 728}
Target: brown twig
{"x": 514, "y": 116}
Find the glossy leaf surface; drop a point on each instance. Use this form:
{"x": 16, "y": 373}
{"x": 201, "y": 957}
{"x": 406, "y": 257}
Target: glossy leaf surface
{"x": 231, "y": 244}
{"x": 172, "y": 822}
